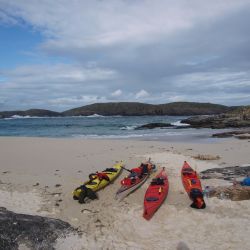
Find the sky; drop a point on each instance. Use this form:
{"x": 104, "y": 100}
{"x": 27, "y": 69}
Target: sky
{"x": 63, "y": 54}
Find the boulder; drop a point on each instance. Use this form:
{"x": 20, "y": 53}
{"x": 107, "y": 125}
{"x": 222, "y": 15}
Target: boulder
{"x": 35, "y": 232}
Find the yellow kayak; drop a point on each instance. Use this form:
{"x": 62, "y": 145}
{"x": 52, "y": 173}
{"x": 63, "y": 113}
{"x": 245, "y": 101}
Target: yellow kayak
{"x": 96, "y": 183}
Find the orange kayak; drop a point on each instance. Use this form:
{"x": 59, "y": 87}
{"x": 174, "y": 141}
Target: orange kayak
{"x": 192, "y": 185}
{"x": 156, "y": 194}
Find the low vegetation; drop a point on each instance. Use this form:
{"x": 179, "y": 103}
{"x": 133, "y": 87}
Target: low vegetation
{"x": 206, "y": 157}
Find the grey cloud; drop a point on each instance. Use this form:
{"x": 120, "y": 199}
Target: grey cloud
{"x": 173, "y": 50}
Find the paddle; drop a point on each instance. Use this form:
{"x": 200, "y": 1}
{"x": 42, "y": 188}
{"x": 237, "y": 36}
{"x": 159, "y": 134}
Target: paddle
{"x": 149, "y": 161}
{"x": 126, "y": 169}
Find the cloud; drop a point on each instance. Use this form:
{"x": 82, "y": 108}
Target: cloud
{"x": 91, "y": 23}
{"x": 116, "y": 93}
{"x": 141, "y": 94}
{"x": 78, "y": 100}
{"x": 176, "y": 50}
{"x": 7, "y": 19}
{"x": 62, "y": 73}
{"x": 52, "y": 85}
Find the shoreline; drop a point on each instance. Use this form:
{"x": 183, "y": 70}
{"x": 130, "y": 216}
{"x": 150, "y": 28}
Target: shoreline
{"x": 39, "y": 175}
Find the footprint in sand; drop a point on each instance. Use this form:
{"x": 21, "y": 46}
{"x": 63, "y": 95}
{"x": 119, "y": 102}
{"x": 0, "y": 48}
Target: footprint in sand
{"x": 182, "y": 246}
{"x": 6, "y": 172}
{"x": 87, "y": 211}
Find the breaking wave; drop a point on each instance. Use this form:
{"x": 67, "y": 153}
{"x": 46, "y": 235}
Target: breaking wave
{"x": 128, "y": 127}
{"x": 94, "y": 115}
{"x": 179, "y": 124}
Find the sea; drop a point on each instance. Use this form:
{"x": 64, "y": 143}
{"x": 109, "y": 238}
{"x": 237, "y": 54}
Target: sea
{"x": 97, "y": 126}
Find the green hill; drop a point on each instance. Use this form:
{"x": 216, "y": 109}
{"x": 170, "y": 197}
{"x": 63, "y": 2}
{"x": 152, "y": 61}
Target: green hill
{"x": 129, "y": 109}
{"x": 135, "y": 108}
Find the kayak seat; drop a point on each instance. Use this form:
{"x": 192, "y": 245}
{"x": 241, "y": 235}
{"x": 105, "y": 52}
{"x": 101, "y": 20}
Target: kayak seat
{"x": 188, "y": 173}
{"x": 195, "y": 193}
{"x": 144, "y": 168}
{"x": 133, "y": 174}
{"x": 152, "y": 199}
{"x": 157, "y": 181}
{"x": 110, "y": 170}
{"x": 92, "y": 183}
{"x": 188, "y": 170}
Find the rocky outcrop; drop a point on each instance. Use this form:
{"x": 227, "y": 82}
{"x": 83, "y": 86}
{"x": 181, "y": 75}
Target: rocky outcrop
{"x": 154, "y": 125}
{"x": 226, "y": 173}
{"x": 35, "y": 232}
{"x": 242, "y": 112}
{"x": 235, "y": 193}
{"x": 238, "y": 118}
{"x": 240, "y": 134}
{"x": 216, "y": 122}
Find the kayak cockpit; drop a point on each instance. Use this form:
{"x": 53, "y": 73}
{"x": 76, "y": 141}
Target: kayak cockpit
{"x": 150, "y": 199}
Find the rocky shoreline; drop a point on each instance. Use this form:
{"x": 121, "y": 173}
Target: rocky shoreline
{"x": 226, "y": 173}
{"x": 238, "y": 118}
{"x": 239, "y": 134}
{"x": 217, "y": 121}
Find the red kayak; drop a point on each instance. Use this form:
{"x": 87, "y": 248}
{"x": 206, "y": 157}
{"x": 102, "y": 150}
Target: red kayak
{"x": 135, "y": 179}
{"x": 155, "y": 194}
{"x": 192, "y": 185}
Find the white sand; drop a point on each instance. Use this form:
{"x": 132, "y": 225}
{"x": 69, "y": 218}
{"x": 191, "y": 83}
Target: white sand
{"x": 29, "y": 202}
{"x": 108, "y": 224}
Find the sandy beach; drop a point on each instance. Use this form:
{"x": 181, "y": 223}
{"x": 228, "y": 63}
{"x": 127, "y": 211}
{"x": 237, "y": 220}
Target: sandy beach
{"x": 38, "y": 175}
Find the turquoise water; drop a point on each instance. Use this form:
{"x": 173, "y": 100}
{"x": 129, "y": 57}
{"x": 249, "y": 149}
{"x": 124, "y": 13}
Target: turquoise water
{"x": 96, "y": 127}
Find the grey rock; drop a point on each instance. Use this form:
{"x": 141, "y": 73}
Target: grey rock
{"x": 226, "y": 173}
{"x": 154, "y": 125}
{"x": 216, "y": 122}
{"x": 36, "y": 232}
{"x": 240, "y": 134}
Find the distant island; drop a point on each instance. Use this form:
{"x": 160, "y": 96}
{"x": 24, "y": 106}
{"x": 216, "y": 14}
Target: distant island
{"x": 128, "y": 109}
{"x": 30, "y": 112}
